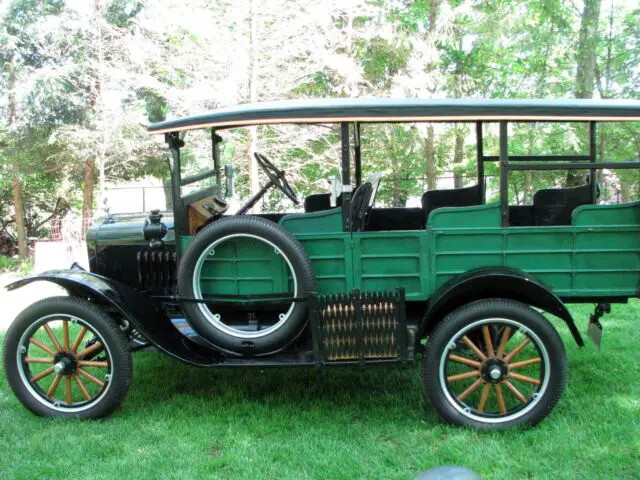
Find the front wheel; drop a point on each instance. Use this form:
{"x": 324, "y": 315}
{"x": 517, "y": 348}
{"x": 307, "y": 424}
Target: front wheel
{"x": 64, "y": 357}
{"x": 494, "y": 364}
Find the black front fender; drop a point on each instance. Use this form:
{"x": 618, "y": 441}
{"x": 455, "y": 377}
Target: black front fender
{"x": 142, "y": 311}
{"x": 494, "y": 282}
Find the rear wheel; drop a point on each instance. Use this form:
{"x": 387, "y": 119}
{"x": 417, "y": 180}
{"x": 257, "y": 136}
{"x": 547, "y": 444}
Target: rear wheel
{"x": 494, "y": 364}
{"x": 63, "y": 356}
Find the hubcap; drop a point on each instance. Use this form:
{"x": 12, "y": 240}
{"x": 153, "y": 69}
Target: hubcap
{"x": 494, "y": 370}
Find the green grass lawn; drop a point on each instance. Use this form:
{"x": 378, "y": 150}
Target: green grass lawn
{"x": 183, "y": 422}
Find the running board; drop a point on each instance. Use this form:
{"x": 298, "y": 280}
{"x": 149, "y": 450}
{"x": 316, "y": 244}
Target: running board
{"x": 359, "y": 327}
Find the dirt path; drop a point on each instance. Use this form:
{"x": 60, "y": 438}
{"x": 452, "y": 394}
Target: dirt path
{"x": 12, "y": 303}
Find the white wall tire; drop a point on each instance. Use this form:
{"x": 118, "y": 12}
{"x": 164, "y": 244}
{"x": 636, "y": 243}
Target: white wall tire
{"x": 494, "y": 364}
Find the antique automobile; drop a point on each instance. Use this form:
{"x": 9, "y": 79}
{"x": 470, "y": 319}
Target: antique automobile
{"x": 460, "y": 284}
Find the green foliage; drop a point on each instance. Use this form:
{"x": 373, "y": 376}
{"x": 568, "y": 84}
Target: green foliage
{"x": 9, "y": 264}
{"x": 122, "y": 12}
{"x": 381, "y": 60}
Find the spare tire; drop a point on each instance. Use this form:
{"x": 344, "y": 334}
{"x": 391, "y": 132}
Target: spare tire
{"x": 237, "y": 258}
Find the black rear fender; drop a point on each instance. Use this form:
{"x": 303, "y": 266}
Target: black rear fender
{"x": 494, "y": 282}
{"x": 143, "y": 312}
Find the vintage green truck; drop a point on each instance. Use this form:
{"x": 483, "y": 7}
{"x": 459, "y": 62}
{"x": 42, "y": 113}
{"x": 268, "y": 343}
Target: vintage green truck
{"x": 459, "y": 283}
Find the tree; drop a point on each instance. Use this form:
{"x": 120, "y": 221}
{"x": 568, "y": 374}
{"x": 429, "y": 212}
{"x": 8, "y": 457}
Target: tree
{"x": 23, "y": 52}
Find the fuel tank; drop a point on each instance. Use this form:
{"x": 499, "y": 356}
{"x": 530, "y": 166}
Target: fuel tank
{"x": 117, "y": 249}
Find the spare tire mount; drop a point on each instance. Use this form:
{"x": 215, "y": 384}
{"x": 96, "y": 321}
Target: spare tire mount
{"x": 241, "y": 246}
{"x": 215, "y": 318}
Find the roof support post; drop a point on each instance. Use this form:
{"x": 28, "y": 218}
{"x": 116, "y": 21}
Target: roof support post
{"x": 346, "y": 177}
{"x": 593, "y": 178}
{"x": 180, "y": 220}
{"x": 504, "y": 174}
{"x": 480, "y": 161}
{"x": 344, "y": 135}
{"x": 215, "y": 153}
{"x": 357, "y": 153}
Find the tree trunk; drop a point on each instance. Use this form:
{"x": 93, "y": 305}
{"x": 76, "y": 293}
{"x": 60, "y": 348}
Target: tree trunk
{"x": 586, "y": 63}
{"x": 254, "y": 184}
{"x": 625, "y": 187}
{"x": 101, "y": 156}
{"x": 20, "y": 225}
{"x": 88, "y": 184}
{"x": 18, "y": 204}
{"x": 430, "y": 157}
{"x": 396, "y": 197}
{"x": 458, "y": 158}
{"x": 601, "y": 179}
{"x": 168, "y": 193}
{"x": 430, "y": 150}
{"x": 587, "y": 43}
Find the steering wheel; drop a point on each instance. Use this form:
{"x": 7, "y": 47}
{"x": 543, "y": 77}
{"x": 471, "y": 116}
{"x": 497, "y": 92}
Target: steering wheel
{"x": 277, "y": 177}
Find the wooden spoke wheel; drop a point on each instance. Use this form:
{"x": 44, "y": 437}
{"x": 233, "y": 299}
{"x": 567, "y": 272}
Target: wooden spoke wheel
{"x": 64, "y": 356}
{"x": 493, "y": 364}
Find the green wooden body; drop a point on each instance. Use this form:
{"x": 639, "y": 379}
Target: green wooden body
{"x": 597, "y": 256}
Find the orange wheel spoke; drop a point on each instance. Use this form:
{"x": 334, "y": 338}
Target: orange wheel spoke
{"x": 87, "y": 363}
{"x": 65, "y": 335}
{"x": 517, "y": 350}
{"x": 515, "y": 391}
{"x": 82, "y": 388}
{"x": 38, "y": 360}
{"x": 464, "y": 360}
{"x": 501, "y": 405}
{"x": 484, "y": 397}
{"x": 472, "y": 388}
{"x": 54, "y": 386}
{"x": 41, "y": 375}
{"x": 95, "y": 348}
{"x": 486, "y": 333}
{"x": 68, "y": 393}
{"x": 525, "y": 363}
{"x": 475, "y": 349}
{"x": 524, "y": 378}
{"x": 506, "y": 335}
{"x": 463, "y": 376}
{"x": 53, "y": 338}
{"x": 78, "y": 340}
{"x": 90, "y": 377}
{"x": 42, "y": 346}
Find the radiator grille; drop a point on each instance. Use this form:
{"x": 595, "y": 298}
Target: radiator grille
{"x": 157, "y": 269}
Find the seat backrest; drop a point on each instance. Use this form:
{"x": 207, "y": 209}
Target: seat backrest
{"x": 360, "y": 205}
{"x": 453, "y": 197}
{"x": 553, "y": 206}
{"x": 317, "y": 202}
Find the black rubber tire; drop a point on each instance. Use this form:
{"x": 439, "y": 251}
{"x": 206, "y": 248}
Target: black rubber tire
{"x": 290, "y": 247}
{"x": 103, "y": 324}
{"x": 493, "y": 308}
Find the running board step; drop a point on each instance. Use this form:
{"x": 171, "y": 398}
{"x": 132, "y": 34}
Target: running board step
{"x": 359, "y": 326}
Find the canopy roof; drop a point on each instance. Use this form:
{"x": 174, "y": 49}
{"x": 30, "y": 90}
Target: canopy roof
{"x": 404, "y": 110}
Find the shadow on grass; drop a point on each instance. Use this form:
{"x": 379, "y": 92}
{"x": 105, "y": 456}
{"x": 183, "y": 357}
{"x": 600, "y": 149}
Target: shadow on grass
{"x": 335, "y": 390}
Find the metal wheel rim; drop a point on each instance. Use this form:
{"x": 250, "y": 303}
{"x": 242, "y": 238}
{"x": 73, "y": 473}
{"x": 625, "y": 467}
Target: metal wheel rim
{"x": 493, "y": 419}
{"x": 38, "y": 394}
{"x": 214, "y": 318}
